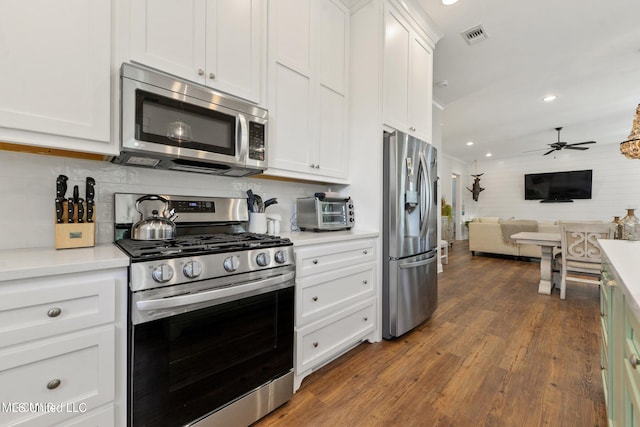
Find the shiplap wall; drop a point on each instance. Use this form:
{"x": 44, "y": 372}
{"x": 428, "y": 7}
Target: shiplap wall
{"x": 616, "y": 185}
{"x": 27, "y": 187}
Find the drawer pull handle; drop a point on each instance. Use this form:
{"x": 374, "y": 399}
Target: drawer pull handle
{"x": 53, "y": 384}
{"x": 315, "y": 261}
{"x": 315, "y": 298}
{"x": 365, "y": 252}
{"x": 315, "y": 344}
{"x": 200, "y": 72}
{"x": 366, "y": 319}
{"x": 633, "y": 359}
{"x": 54, "y": 312}
{"x": 365, "y": 282}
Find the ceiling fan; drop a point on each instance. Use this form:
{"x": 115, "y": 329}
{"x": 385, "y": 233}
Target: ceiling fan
{"x": 557, "y": 146}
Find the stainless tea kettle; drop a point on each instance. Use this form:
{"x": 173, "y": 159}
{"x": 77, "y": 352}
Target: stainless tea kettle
{"x": 155, "y": 222}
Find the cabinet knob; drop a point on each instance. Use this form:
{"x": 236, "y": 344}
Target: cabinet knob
{"x": 317, "y": 166}
{"x": 312, "y": 165}
{"x": 365, "y": 281}
{"x": 365, "y": 319}
{"x": 315, "y": 298}
{"x": 412, "y": 129}
{"x": 633, "y": 359}
{"x": 212, "y": 76}
{"x": 315, "y": 344}
{"x": 53, "y": 384}
{"x": 200, "y": 72}
{"x": 365, "y": 252}
{"x": 54, "y": 312}
{"x": 315, "y": 261}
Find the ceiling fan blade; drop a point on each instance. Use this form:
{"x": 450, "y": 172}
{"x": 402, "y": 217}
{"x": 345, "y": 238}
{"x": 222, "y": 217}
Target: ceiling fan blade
{"x": 549, "y": 152}
{"x": 538, "y": 149}
{"x": 570, "y": 147}
{"x": 583, "y": 143}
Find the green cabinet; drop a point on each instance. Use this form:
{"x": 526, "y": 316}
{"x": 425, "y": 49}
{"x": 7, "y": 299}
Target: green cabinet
{"x": 620, "y": 349}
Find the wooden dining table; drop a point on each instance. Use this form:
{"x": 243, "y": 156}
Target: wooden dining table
{"x": 546, "y": 241}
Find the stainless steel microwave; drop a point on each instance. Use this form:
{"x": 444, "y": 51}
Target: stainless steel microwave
{"x": 171, "y": 123}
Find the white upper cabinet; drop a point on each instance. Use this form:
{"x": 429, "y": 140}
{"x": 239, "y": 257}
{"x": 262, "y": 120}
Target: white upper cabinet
{"x": 408, "y": 75}
{"x": 218, "y": 43}
{"x": 56, "y": 74}
{"x": 307, "y": 89}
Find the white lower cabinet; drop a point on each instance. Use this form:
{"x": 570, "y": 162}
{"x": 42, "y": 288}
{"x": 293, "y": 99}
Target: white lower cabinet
{"x": 335, "y": 302}
{"x": 62, "y": 341}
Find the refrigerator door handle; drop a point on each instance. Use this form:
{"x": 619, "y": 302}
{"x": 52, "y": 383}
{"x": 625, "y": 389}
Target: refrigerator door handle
{"x": 415, "y": 264}
{"x": 425, "y": 199}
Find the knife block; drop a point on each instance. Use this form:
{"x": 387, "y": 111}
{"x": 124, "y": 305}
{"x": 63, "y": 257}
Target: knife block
{"x": 75, "y": 234}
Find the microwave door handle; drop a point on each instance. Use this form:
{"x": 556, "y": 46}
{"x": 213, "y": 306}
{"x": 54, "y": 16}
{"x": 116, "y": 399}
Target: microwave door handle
{"x": 242, "y": 137}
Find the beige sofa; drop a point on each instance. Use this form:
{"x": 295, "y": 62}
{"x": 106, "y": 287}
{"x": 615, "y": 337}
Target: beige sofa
{"x": 486, "y": 236}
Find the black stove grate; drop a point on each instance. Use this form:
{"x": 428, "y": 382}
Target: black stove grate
{"x": 198, "y": 245}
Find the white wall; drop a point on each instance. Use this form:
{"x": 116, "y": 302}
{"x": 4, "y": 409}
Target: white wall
{"x": 616, "y": 185}
{"x": 449, "y": 166}
{"x": 27, "y": 188}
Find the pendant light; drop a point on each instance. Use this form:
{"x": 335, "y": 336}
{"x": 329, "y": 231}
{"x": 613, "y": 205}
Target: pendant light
{"x": 631, "y": 147}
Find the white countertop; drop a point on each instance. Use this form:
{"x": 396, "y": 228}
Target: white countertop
{"x": 302, "y": 238}
{"x": 37, "y": 262}
{"x": 624, "y": 256}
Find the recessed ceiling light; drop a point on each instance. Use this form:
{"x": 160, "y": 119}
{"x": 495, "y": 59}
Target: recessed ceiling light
{"x": 470, "y": 143}
{"x": 488, "y": 154}
{"x": 549, "y": 98}
{"x": 449, "y": 2}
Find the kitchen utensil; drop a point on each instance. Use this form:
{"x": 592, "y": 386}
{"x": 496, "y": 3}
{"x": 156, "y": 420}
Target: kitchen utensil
{"x": 80, "y": 210}
{"x": 259, "y": 205}
{"x": 59, "y": 209}
{"x": 270, "y": 202}
{"x": 156, "y": 225}
{"x": 250, "y": 200}
{"x": 90, "y": 196}
{"x": 61, "y": 186}
{"x": 70, "y": 210}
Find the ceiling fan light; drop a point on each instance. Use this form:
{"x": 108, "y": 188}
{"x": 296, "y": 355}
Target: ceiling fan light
{"x": 549, "y": 98}
{"x": 631, "y": 147}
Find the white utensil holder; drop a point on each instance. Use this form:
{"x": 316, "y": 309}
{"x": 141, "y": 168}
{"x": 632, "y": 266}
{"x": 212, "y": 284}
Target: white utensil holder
{"x": 257, "y": 222}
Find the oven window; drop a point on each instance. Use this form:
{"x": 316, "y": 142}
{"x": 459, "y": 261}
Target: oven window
{"x": 189, "y": 365}
{"x": 168, "y": 121}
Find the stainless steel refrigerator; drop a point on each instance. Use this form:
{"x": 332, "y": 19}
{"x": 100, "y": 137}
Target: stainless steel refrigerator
{"x": 410, "y": 247}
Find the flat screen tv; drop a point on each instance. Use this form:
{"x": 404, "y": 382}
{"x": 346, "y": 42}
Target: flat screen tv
{"x": 558, "y": 186}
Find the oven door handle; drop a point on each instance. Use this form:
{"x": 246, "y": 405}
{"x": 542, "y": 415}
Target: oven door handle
{"x": 200, "y": 297}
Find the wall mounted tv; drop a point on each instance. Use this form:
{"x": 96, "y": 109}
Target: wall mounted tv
{"x": 553, "y": 187}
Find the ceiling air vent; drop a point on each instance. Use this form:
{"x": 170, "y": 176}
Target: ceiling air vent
{"x": 474, "y": 35}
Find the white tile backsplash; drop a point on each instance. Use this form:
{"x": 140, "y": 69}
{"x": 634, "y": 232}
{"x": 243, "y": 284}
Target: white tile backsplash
{"x": 27, "y": 187}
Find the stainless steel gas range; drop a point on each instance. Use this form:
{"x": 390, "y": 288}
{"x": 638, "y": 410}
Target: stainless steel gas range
{"x": 210, "y": 316}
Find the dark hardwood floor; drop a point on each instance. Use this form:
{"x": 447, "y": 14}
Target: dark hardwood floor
{"x": 495, "y": 353}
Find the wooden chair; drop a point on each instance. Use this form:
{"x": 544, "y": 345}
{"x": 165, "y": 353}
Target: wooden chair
{"x": 581, "y": 259}
{"x": 444, "y": 251}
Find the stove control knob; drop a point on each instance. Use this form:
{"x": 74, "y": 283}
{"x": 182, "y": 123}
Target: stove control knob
{"x": 232, "y": 263}
{"x": 280, "y": 257}
{"x": 263, "y": 259}
{"x": 192, "y": 269}
{"x": 162, "y": 273}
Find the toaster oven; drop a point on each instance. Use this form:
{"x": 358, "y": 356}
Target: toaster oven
{"x": 325, "y": 213}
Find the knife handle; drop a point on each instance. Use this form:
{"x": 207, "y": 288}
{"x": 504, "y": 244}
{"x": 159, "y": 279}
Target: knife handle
{"x": 80, "y": 210}
{"x": 70, "y": 210}
{"x": 90, "y": 210}
{"x": 89, "y": 189}
{"x": 59, "y": 210}
{"x": 61, "y": 186}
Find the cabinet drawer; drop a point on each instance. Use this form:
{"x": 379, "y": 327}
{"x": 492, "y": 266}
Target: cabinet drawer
{"x": 319, "y": 342}
{"x": 36, "y": 308}
{"x": 324, "y": 258}
{"x": 318, "y": 295}
{"x": 73, "y": 372}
